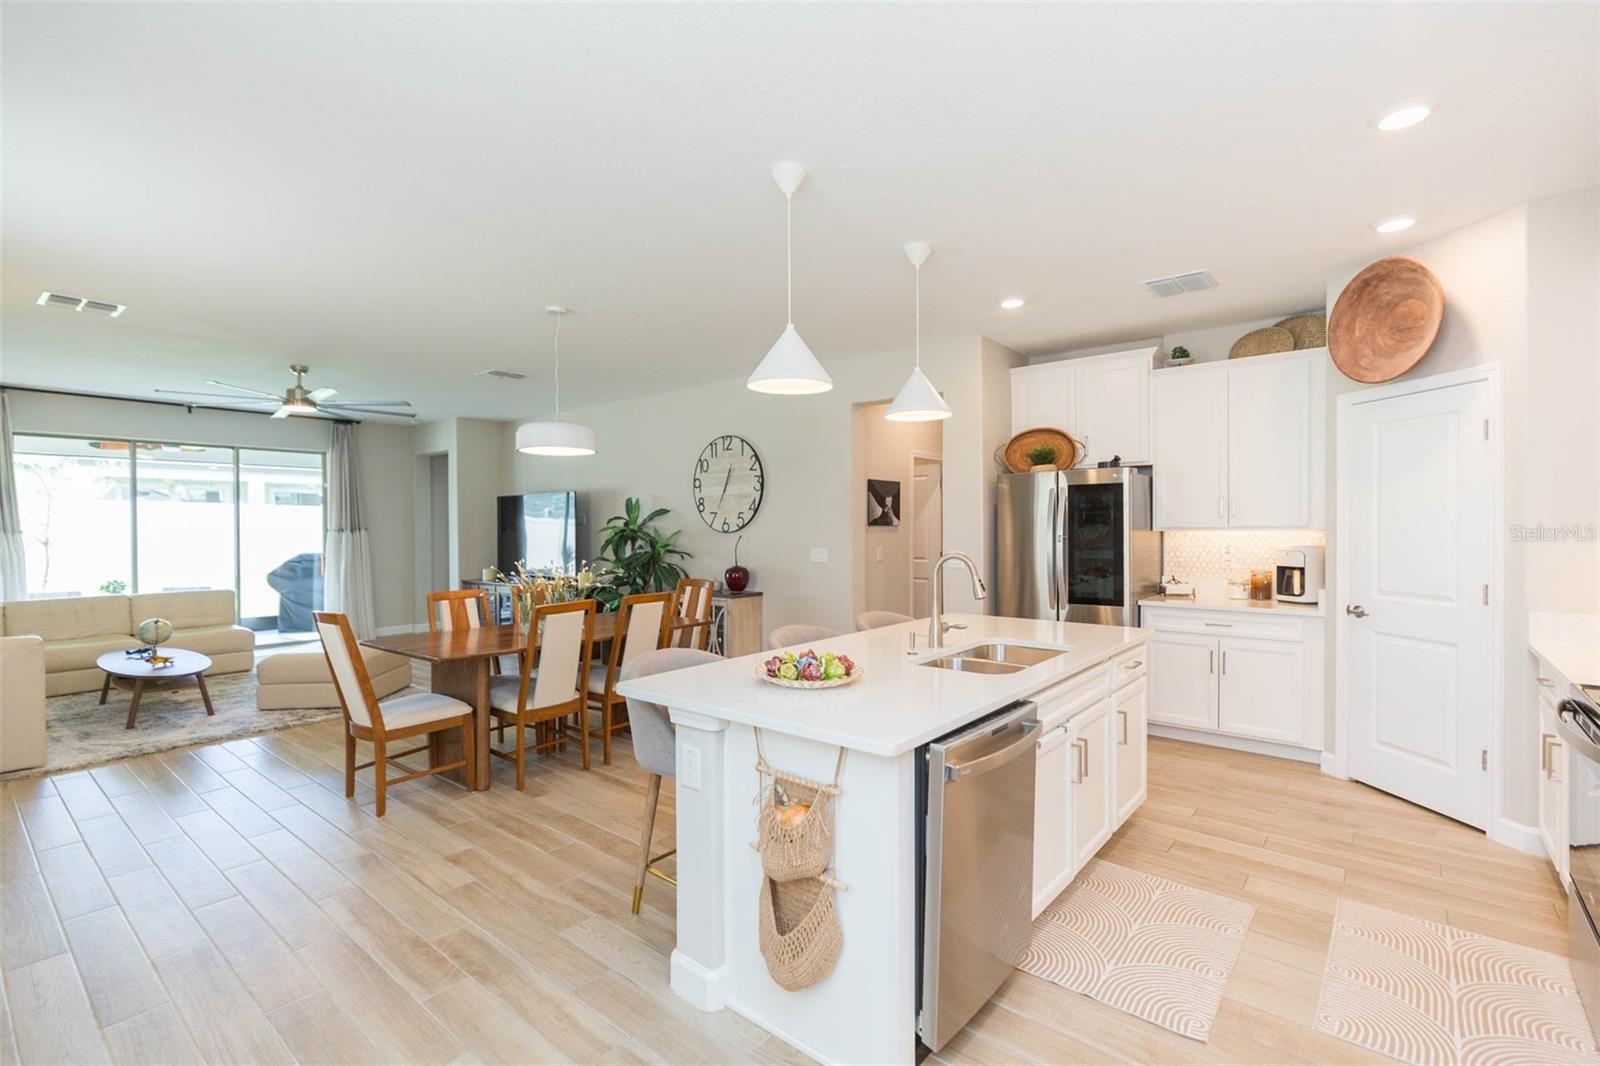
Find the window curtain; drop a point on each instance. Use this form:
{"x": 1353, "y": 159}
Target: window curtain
{"x": 347, "y": 586}
{"x": 13, "y": 561}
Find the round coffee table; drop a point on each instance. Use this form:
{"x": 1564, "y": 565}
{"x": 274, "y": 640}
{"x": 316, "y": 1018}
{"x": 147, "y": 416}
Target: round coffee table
{"x": 136, "y": 673}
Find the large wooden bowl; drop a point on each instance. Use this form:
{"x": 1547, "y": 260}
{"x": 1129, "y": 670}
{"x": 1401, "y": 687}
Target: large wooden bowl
{"x": 1014, "y": 454}
{"x": 1385, "y": 320}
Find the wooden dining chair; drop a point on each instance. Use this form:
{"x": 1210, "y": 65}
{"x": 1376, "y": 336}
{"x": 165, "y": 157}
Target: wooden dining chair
{"x": 655, "y": 747}
{"x": 552, "y": 684}
{"x": 418, "y": 714}
{"x": 642, "y": 626}
{"x": 691, "y": 623}
{"x": 461, "y": 609}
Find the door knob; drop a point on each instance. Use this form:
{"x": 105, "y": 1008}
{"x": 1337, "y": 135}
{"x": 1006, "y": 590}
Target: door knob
{"x": 1355, "y": 610}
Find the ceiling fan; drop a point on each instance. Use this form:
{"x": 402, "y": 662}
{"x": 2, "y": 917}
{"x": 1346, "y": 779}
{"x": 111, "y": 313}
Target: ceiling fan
{"x": 298, "y": 400}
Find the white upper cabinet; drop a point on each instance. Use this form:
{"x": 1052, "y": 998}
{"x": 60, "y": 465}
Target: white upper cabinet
{"x": 1103, "y": 401}
{"x": 1270, "y": 415}
{"x": 1189, "y": 418}
{"x": 1240, "y": 443}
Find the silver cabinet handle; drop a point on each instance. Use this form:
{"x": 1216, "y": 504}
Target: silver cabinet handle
{"x": 1224, "y": 663}
{"x": 1355, "y": 610}
{"x": 1545, "y": 682}
{"x": 1221, "y": 501}
{"x": 1544, "y": 752}
{"x": 1233, "y": 511}
{"x": 1211, "y": 662}
{"x": 1082, "y": 744}
{"x": 1220, "y": 625}
{"x": 1555, "y": 745}
{"x": 1133, "y": 665}
{"x": 1122, "y": 724}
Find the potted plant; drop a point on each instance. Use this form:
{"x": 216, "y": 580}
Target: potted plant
{"x": 1043, "y": 457}
{"x": 637, "y": 556}
{"x": 1178, "y": 356}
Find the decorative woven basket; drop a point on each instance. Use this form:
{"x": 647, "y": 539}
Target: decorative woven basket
{"x": 803, "y": 849}
{"x": 1014, "y": 456}
{"x": 1309, "y": 331}
{"x": 783, "y": 682}
{"x": 1262, "y": 342}
{"x": 799, "y": 931}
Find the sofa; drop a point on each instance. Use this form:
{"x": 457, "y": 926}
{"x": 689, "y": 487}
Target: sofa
{"x": 21, "y": 703}
{"x": 77, "y": 630}
{"x": 297, "y": 679}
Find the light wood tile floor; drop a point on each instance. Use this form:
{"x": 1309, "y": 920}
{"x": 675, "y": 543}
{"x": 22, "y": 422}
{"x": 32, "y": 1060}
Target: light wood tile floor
{"x": 227, "y": 904}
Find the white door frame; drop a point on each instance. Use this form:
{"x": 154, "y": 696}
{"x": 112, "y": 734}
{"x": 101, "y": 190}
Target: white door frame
{"x": 911, "y": 514}
{"x": 1498, "y": 829}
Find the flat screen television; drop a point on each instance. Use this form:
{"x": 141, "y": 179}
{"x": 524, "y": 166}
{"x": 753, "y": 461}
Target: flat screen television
{"x": 540, "y": 530}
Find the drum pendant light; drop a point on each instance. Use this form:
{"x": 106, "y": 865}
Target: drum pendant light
{"x": 556, "y": 438}
{"x": 789, "y": 368}
{"x": 918, "y": 400}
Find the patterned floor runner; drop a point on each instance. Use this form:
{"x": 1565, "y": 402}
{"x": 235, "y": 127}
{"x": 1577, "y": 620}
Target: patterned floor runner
{"x": 1426, "y": 993}
{"x": 1159, "y": 950}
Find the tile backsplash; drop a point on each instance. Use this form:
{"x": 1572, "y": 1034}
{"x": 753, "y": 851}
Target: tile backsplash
{"x": 1197, "y": 554}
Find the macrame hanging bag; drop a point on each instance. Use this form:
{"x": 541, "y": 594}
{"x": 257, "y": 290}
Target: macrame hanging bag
{"x": 799, "y": 931}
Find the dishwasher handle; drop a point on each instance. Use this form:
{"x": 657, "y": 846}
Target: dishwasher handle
{"x": 995, "y": 759}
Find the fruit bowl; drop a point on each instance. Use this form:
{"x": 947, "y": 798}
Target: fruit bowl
{"x": 808, "y": 670}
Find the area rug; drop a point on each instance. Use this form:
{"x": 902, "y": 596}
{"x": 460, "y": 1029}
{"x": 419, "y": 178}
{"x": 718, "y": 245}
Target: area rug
{"x": 1156, "y": 949}
{"x": 1426, "y": 993}
{"x": 80, "y": 732}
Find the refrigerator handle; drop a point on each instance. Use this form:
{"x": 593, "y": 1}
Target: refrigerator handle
{"x": 1055, "y": 496}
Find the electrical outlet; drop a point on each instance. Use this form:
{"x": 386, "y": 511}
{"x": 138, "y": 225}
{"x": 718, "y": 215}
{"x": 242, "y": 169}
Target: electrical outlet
{"x": 689, "y": 772}
{"x": 819, "y": 555}
{"x": 877, "y": 555}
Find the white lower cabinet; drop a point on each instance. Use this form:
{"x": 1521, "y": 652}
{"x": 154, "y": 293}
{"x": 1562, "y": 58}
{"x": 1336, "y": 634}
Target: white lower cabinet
{"x": 1090, "y": 774}
{"x": 1243, "y": 674}
{"x": 1553, "y": 806}
{"x": 1093, "y": 788}
{"x": 1128, "y": 717}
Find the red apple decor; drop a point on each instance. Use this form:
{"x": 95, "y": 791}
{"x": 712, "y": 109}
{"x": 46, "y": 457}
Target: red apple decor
{"x": 736, "y": 577}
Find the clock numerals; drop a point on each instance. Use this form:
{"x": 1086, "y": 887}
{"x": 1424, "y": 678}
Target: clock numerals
{"x": 705, "y": 464}
{"x": 729, "y": 469}
{"x": 700, "y": 504}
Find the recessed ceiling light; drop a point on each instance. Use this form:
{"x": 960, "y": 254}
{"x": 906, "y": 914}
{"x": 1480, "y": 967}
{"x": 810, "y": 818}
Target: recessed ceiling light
{"x": 1395, "y": 225}
{"x": 1011, "y": 303}
{"x": 1404, "y": 118}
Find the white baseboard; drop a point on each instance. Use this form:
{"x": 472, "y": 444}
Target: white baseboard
{"x": 700, "y": 986}
{"x": 1516, "y": 835}
{"x": 1222, "y": 740}
{"x": 1330, "y": 766}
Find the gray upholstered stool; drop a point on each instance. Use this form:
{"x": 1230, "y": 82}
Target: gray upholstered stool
{"x": 655, "y": 747}
{"x": 878, "y": 619}
{"x": 787, "y": 636}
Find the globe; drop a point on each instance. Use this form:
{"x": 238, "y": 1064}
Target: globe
{"x": 153, "y": 631}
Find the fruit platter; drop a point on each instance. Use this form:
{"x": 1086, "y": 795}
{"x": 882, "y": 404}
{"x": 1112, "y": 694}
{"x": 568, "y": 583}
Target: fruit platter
{"x": 808, "y": 669}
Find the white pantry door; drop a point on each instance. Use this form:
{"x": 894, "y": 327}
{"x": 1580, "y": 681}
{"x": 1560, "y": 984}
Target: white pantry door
{"x": 927, "y": 529}
{"x": 1420, "y": 490}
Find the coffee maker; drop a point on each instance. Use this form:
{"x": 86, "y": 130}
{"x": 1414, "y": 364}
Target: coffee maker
{"x": 1298, "y": 577}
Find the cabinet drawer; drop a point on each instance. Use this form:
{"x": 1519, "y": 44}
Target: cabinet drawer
{"x": 1129, "y": 667}
{"x": 1224, "y": 624}
{"x": 1067, "y": 698}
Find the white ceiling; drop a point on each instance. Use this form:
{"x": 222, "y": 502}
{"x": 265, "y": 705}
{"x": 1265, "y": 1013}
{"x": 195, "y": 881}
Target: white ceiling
{"x": 392, "y": 193}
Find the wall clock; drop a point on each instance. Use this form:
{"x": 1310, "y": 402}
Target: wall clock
{"x": 728, "y": 484}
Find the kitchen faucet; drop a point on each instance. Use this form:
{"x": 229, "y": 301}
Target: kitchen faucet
{"x": 936, "y": 624}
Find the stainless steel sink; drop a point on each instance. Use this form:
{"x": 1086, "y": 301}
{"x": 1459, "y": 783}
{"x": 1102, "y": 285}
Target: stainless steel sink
{"x": 971, "y": 665}
{"x": 995, "y": 658}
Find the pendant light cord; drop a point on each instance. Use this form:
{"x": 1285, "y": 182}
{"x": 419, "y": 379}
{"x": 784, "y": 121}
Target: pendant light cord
{"x": 918, "y": 285}
{"x": 788, "y": 243}
{"x": 558, "y": 368}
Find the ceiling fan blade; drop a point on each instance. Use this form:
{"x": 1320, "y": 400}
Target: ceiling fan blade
{"x": 230, "y": 397}
{"x": 283, "y": 412}
{"x": 319, "y": 395}
{"x": 241, "y": 388}
{"x": 369, "y": 403}
{"x": 346, "y": 409}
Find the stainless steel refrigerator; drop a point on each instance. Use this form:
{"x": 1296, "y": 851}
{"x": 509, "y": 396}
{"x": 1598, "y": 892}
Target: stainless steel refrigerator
{"x": 1076, "y": 545}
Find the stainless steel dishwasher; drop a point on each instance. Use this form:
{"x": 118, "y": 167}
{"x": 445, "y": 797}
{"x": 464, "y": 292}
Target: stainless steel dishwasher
{"x": 975, "y": 789}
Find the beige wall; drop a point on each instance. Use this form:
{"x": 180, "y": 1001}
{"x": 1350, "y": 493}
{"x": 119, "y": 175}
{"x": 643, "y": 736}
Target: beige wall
{"x": 883, "y": 553}
{"x": 1206, "y": 344}
{"x": 815, "y": 496}
{"x": 477, "y": 460}
{"x": 383, "y": 450}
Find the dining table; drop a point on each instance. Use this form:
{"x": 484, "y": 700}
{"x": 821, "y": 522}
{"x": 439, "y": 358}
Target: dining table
{"x": 459, "y": 666}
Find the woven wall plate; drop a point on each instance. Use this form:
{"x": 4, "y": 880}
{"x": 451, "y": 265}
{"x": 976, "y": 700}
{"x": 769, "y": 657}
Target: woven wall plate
{"x": 1310, "y": 331}
{"x": 1385, "y": 320}
{"x": 1262, "y": 342}
{"x": 1015, "y": 453}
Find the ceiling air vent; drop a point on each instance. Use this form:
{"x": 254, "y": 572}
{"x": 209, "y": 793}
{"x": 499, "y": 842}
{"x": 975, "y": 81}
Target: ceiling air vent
{"x": 78, "y": 303}
{"x": 1178, "y": 284}
{"x": 503, "y": 375}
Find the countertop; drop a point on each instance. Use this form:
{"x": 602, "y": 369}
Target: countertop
{"x": 897, "y": 705}
{"x": 1577, "y": 661}
{"x": 1222, "y": 603}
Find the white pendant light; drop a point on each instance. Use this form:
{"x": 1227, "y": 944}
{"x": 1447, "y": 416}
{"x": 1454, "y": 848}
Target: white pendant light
{"x": 918, "y": 400}
{"x": 555, "y": 438}
{"x": 789, "y": 368}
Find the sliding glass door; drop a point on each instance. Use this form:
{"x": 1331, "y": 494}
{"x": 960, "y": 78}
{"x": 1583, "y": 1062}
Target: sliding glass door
{"x": 109, "y": 516}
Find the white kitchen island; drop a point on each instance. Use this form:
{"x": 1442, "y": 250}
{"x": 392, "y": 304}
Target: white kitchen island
{"x": 864, "y": 1011}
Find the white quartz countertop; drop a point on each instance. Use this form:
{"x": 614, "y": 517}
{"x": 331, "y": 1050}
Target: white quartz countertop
{"x": 898, "y": 704}
{"x": 1577, "y": 661}
{"x": 1222, "y": 603}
